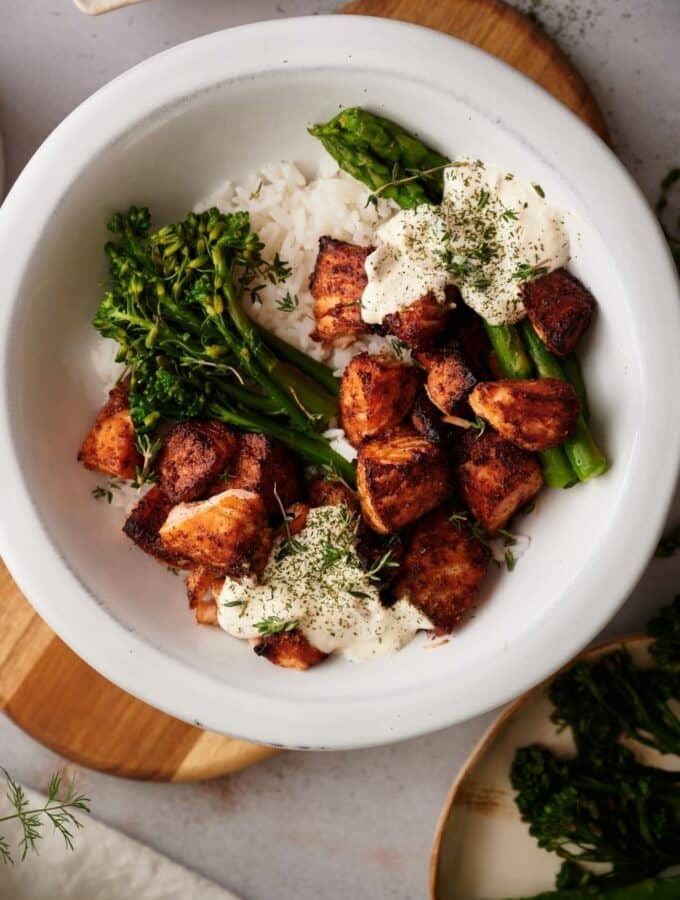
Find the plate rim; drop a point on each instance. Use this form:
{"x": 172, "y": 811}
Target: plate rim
{"x": 609, "y": 645}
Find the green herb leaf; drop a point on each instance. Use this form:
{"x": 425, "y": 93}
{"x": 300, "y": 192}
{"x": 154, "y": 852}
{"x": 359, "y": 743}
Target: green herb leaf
{"x": 275, "y": 625}
{"x": 288, "y": 303}
{"x": 59, "y": 812}
{"x": 527, "y": 272}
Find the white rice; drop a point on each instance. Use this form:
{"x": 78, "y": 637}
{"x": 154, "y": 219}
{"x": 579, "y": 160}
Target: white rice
{"x": 290, "y": 213}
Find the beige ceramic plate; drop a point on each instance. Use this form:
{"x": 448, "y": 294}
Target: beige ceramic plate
{"x": 482, "y": 850}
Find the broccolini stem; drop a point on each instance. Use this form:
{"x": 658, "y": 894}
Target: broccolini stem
{"x": 514, "y": 363}
{"x": 586, "y": 459}
{"x": 307, "y": 364}
{"x": 301, "y": 398}
{"x": 315, "y": 450}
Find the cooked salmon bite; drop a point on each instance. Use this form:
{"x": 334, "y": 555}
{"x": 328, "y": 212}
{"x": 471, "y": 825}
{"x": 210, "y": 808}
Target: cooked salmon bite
{"x": 268, "y": 468}
{"x": 193, "y": 456}
{"x": 421, "y": 324}
{"x": 143, "y": 526}
{"x": 376, "y": 394}
{"x": 535, "y": 414}
{"x": 336, "y": 284}
{"x": 110, "y": 445}
{"x": 289, "y": 649}
{"x": 326, "y": 492}
{"x": 449, "y": 378}
{"x": 495, "y": 478}
{"x": 227, "y": 533}
{"x": 560, "y": 308}
{"x": 400, "y": 477}
{"x": 442, "y": 570}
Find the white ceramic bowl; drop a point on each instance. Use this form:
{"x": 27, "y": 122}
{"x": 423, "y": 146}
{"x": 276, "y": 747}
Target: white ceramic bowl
{"x": 165, "y": 134}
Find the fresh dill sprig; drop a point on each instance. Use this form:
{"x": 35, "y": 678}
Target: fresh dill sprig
{"x": 149, "y": 450}
{"x": 105, "y": 491}
{"x": 386, "y": 561}
{"x": 288, "y": 303}
{"x": 60, "y": 812}
{"x": 330, "y": 473}
{"x": 462, "y": 520}
{"x": 526, "y": 272}
{"x": 290, "y": 544}
{"x": 398, "y": 347}
{"x": 275, "y": 625}
{"x": 415, "y": 176}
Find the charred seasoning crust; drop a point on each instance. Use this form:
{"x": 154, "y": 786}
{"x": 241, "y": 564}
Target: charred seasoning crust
{"x": 495, "y": 477}
{"x": 336, "y": 284}
{"x": 442, "y": 569}
{"x": 193, "y": 456}
{"x": 143, "y": 526}
{"x": 560, "y": 308}
{"x": 400, "y": 477}
{"x": 289, "y": 649}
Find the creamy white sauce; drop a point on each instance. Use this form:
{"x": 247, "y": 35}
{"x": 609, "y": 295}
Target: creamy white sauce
{"x": 334, "y": 602}
{"x": 411, "y": 235}
{"x": 491, "y": 234}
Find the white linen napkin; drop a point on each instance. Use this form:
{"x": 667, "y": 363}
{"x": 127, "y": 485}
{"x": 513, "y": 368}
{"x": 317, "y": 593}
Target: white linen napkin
{"x": 105, "y": 865}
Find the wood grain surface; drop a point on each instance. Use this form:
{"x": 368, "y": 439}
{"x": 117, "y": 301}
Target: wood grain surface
{"x": 56, "y": 697}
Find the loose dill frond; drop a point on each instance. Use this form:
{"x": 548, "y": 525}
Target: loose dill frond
{"x": 59, "y": 811}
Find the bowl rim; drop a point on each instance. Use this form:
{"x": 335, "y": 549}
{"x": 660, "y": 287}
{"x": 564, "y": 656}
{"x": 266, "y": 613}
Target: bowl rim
{"x": 185, "y": 692}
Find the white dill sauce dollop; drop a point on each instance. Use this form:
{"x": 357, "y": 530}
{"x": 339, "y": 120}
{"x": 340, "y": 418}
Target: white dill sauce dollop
{"x": 491, "y": 234}
{"x": 315, "y": 579}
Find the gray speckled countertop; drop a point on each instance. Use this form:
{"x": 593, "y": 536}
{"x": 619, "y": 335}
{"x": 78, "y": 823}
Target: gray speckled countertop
{"x": 320, "y": 825}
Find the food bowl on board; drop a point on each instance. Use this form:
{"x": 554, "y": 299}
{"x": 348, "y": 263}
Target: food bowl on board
{"x": 166, "y": 134}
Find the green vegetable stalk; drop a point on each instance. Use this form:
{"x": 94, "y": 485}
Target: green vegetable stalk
{"x": 379, "y": 153}
{"x": 515, "y": 363}
{"x": 572, "y": 370}
{"x": 586, "y": 459}
{"x": 174, "y": 306}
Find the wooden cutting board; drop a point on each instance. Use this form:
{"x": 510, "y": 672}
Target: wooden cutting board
{"x": 63, "y": 703}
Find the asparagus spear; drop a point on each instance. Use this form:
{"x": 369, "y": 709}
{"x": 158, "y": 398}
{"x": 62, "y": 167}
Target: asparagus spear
{"x": 586, "y": 459}
{"x": 572, "y": 369}
{"x": 388, "y": 143}
{"x": 370, "y": 169}
{"x": 509, "y": 350}
{"x": 649, "y": 889}
{"x": 514, "y": 362}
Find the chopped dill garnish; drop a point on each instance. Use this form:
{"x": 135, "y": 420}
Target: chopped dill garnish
{"x": 288, "y": 303}
{"x": 275, "y": 625}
